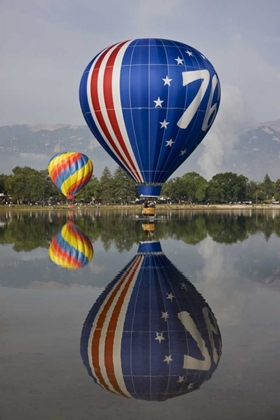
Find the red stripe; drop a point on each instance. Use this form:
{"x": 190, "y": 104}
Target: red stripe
{"x": 78, "y": 234}
{"x": 62, "y": 255}
{"x": 107, "y": 90}
{"x": 108, "y": 96}
{"x": 110, "y": 335}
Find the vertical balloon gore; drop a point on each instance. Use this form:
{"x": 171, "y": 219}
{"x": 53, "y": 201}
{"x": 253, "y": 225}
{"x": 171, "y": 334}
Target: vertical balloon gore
{"x": 70, "y": 172}
{"x": 149, "y": 102}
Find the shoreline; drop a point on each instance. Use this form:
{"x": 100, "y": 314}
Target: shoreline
{"x": 160, "y": 207}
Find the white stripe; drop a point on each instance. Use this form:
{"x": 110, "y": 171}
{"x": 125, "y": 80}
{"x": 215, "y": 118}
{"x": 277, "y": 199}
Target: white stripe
{"x": 100, "y": 85}
{"x": 117, "y": 362}
{"x": 118, "y": 109}
{"x": 104, "y": 332}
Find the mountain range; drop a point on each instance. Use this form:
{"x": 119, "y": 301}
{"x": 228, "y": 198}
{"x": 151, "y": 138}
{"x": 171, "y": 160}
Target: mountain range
{"x": 256, "y": 153}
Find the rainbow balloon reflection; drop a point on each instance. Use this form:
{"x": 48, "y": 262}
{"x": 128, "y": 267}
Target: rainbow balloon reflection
{"x": 71, "y": 248}
{"x": 150, "y": 335}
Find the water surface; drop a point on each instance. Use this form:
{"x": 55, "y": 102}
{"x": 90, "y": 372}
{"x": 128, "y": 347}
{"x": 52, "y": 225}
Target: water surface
{"x": 232, "y": 259}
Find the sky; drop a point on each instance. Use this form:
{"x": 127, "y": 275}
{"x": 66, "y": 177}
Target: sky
{"x": 46, "y": 45}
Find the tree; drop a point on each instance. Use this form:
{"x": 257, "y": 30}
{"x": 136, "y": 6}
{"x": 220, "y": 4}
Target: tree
{"x": 251, "y": 190}
{"x": 214, "y": 192}
{"x": 267, "y": 187}
{"x": 106, "y": 185}
{"x": 3, "y": 187}
{"x": 91, "y": 190}
{"x": 124, "y": 187}
{"x": 173, "y": 188}
{"x": 28, "y": 184}
{"x": 231, "y": 187}
{"x": 194, "y": 186}
{"x": 277, "y": 190}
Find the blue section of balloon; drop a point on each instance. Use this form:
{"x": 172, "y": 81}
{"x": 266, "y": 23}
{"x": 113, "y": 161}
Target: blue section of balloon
{"x": 151, "y": 335}
{"x": 166, "y": 95}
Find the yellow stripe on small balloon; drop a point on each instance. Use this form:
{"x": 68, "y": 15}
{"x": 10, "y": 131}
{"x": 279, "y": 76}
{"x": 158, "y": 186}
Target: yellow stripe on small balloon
{"x": 63, "y": 262}
{"x": 77, "y": 177}
{"x": 76, "y": 242}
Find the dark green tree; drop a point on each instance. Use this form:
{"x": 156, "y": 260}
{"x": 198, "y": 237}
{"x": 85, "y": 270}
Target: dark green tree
{"x": 124, "y": 187}
{"x": 231, "y": 187}
{"x": 267, "y": 187}
{"x": 214, "y": 192}
{"x": 106, "y": 185}
{"x": 194, "y": 186}
{"x": 277, "y": 190}
{"x": 90, "y": 191}
{"x": 3, "y": 187}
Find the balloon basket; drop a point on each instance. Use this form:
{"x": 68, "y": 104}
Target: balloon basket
{"x": 148, "y": 227}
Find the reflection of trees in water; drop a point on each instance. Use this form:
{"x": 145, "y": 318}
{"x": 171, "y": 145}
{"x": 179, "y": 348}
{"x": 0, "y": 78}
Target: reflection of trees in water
{"x": 28, "y": 231}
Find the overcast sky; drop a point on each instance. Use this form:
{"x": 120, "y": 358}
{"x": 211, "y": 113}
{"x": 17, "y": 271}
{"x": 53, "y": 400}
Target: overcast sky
{"x": 46, "y": 44}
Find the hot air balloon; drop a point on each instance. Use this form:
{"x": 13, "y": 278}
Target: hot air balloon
{"x": 71, "y": 248}
{"x": 150, "y": 335}
{"x": 149, "y": 102}
{"x": 70, "y": 172}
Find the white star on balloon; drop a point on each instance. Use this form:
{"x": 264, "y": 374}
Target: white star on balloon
{"x": 170, "y": 296}
{"x": 183, "y": 286}
{"x": 165, "y": 315}
{"x": 168, "y": 359}
{"x": 158, "y": 102}
{"x": 181, "y": 379}
{"x": 183, "y": 152}
{"x": 189, "y": 53}
{"x": 164, "y": 124}
{"x": 179, "y": 60}
{"x": 169, "y": 142}
{"x": 190, "y": 386}
{"x": 167, "y": 81}
{"x": 159, "y": 337}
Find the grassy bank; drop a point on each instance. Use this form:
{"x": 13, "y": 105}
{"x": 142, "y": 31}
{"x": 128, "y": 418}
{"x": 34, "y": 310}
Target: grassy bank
{"x": 161, "y": 207}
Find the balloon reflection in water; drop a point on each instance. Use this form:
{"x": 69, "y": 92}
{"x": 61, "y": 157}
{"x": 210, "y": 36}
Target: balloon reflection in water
{"x": 71, "y": 248}
{"x": 150, "y": 335}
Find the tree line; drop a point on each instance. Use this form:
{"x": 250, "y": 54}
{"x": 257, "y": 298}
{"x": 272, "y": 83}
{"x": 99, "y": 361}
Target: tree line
{"x": 27, "y": 185}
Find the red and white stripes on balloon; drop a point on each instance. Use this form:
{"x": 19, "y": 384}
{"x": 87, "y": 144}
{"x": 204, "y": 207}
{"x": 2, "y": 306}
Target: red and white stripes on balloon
{"x": 104, "y": 98}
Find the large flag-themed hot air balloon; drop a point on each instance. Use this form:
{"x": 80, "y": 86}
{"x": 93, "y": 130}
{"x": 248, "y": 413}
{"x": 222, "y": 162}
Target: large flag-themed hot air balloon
{"x": 150, "y": 335}
{"x": 70, "y": 172}
{"x": 71, "y": 248}
{"x": 149, "y": 102}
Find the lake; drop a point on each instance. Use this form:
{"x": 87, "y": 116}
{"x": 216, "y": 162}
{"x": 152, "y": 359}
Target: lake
{"x": 102, "y": 311}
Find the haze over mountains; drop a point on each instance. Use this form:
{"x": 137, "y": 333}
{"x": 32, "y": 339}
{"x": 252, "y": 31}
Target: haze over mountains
{"x": 256, "y": 153}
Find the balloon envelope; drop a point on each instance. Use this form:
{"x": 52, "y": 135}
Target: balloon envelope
{"x": 149, "y": 102}
{"x": 71, "y": 248}
{"x": 70, "y": 172}
{"x": 150, "y": 335}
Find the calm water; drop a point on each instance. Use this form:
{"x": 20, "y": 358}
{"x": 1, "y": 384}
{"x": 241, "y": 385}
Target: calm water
{"x": 232, "y": 260}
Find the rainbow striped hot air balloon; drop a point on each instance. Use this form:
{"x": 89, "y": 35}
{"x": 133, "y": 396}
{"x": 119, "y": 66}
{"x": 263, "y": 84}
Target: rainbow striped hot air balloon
{"x": 70, "y": 172}
{"x": 71, "y": 248}
{"x": 150, "y": 335}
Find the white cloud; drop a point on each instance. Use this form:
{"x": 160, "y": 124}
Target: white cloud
{"x": 218, "y": 287}
{"x": 232, "y": 119}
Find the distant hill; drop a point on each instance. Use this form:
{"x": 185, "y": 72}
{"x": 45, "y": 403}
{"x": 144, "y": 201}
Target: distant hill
{"x": 257, "y": 153}
{"x": 275, "y": 125}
